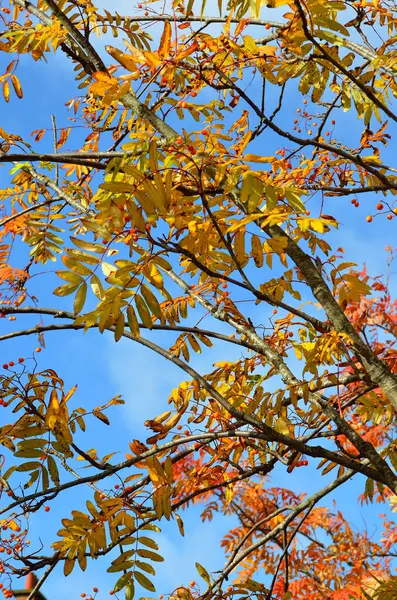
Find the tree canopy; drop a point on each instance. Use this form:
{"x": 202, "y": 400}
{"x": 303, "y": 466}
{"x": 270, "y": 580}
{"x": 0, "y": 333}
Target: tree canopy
{"x": 187, "y": 197}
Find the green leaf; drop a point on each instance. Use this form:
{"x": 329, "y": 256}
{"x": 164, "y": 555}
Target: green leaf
{"x": 144, "y": 581}
{"x": 148, "y": 542}
{"x": 29, "y": 466}
{"x": 203, "y": 573}
{"x": 129, "y": 590}
{"x": 151, "y": 555}
{"x": 44, "y": 478}
{"x": 121, "y": 567}
{"x": 102, "y": 417}
{"x": 181, "y": 526}
{"x": 53, "y": 469}
{"x": 33, "y": 478}
{"x": 122, "y": 582}
{"x": 145, "y": 567}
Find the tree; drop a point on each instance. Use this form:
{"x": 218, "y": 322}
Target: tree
{"x": 189, "y": 203}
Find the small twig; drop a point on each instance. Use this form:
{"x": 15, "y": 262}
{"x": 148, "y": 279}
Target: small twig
{"x": 43, "y": 578}
{"x": 54, "y": 129}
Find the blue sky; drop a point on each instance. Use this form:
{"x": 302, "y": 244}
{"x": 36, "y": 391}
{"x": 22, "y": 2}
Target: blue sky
{"x": 102, "y": 368}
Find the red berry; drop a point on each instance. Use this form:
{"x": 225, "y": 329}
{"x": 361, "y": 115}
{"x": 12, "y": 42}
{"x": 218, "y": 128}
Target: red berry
{"x": 47, "y": 508}
{"x": 379, "y": 206}
{"x": 5, "y": 366}
{"x": 21, "y": 360}
{"x": 369, "y": 219}
{"x": 11, "y": 363}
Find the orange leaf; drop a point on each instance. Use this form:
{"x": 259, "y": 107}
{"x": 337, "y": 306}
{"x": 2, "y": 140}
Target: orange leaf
{"x": 165, "y": 42}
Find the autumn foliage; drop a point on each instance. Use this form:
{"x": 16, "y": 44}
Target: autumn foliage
{"x": 190, "y": 191}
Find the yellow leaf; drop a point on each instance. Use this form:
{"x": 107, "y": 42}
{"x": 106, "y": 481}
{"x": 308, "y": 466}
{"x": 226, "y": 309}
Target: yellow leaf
{"x": 228, "y": 494}
{"x": 80, "y": 297}
{"x": 194, "y": 343}
{"x": 257, "y": 250}
{"x": 68, "y": 288}
{"x": 244, "y": 221}
{"x": 125, "y": 60}
{"x": 141, "y": 178}
{"x": 119, "y": 327}
{"x": 156, "y": 174}
{"x": 238, "y": 247}
{"x": 69, "y": 394}
{"x": 53, "y": 410}
{"x": 97, "y": 287}
{"x": 151, "y": 301}
{"x": 68, "y": 566}
{"x": 155, "y": 470}
{"x": 143, "y": 311}
{"x": 132, "y": 321}
{"x": 153, "y": 275}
